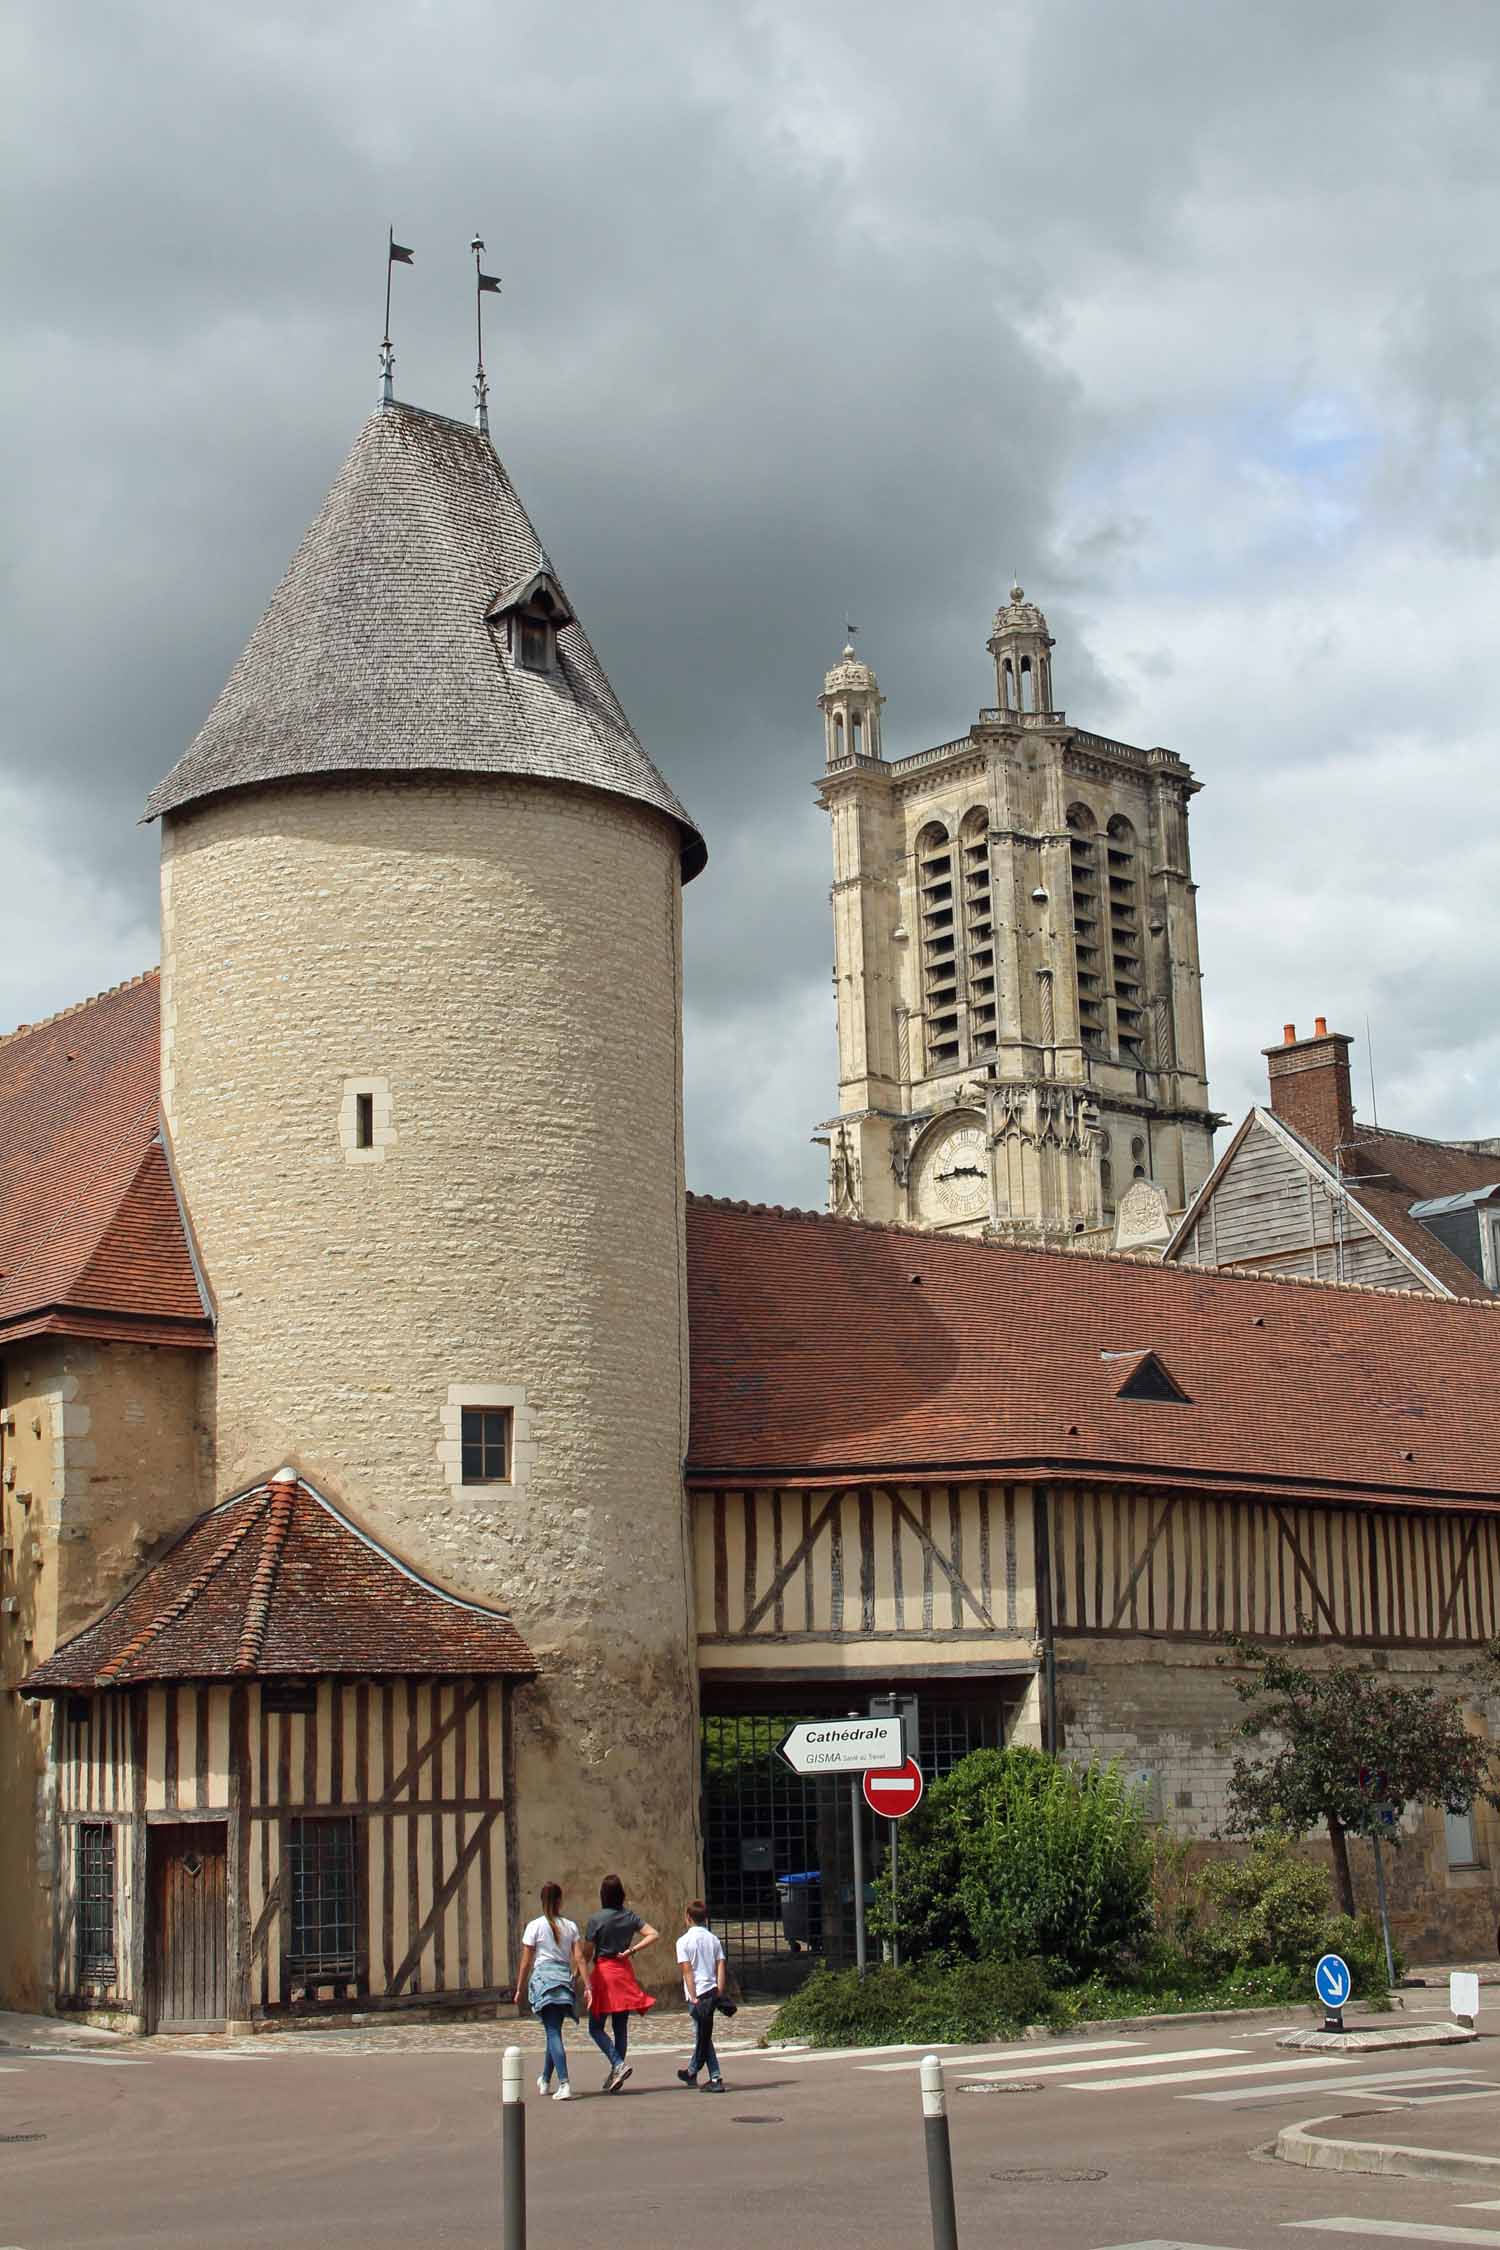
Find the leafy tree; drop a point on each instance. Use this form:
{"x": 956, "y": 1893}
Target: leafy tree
{"x": 1344, "y": 1744}
{"x": 1013, "y": 1856}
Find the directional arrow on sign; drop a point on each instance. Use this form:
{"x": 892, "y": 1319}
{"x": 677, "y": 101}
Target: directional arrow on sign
{"x": 842, "y": 1745}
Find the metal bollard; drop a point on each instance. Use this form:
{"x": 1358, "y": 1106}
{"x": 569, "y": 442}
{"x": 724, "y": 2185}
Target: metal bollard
{"x": 939, "y": 2156}
{"x": 513, "y": 2149}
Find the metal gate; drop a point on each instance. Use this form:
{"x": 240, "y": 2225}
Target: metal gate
{"x": 778, "y": 1850}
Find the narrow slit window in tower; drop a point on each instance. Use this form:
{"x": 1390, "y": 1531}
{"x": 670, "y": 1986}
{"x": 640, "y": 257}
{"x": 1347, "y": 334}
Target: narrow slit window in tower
{"x": 1028, "y": 685}
{"x": 857, "y": 730}
{"x": 1087, "y": 948}
{"x": 364, "y": 1120}
{"x": 1125, "y": 940}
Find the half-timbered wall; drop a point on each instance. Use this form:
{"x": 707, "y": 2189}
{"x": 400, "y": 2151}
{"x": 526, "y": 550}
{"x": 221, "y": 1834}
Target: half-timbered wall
{"x": 898, "y": 1575}
{"x": 1145, "y": 1563}
{"x": 419, "y": 1767}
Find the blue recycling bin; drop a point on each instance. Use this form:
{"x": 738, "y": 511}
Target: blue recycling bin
{"x": 801, "y": 1899}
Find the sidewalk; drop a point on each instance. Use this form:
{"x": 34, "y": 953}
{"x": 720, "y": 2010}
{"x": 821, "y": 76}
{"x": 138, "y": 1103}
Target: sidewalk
{"x": 1451, "y": 2139}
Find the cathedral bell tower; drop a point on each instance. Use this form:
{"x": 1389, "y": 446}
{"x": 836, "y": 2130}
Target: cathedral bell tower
{"x": 1016, "y": 963}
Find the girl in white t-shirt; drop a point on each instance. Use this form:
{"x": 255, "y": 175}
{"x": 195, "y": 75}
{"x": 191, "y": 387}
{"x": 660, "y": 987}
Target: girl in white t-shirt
{"x": 551, "y": 1964}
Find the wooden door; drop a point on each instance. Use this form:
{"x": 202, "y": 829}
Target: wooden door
{"x": 190, "y": 1925}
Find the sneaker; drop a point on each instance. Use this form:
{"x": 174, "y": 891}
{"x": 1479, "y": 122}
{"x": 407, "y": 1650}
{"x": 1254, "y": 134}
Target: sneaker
{"x": 544, "y": 2087}
{"x": 714, "y": 2086}
{"x": 611, "y": 2079}
{"x": 564, "y": 2092}
{"x": 688, "y": 2077}
{"x": 622, "y": 2074}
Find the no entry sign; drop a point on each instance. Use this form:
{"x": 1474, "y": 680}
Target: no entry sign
{"x": 894, "y": 1791}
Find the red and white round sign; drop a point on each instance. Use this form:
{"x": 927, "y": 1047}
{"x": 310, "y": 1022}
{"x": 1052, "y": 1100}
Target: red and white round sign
{"x": 894, "y": 1791}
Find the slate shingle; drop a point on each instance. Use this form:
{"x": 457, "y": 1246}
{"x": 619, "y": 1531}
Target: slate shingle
{"x": 375, "y": 657}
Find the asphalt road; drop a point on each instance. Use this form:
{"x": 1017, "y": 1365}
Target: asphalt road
{"x": 1150, "y": 2138}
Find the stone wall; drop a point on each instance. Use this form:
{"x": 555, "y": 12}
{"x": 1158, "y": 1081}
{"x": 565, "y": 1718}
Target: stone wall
{"x": 110, "y": 1447}
{"x": 1166, "y": 1710}
{"x": 503, "y": 958}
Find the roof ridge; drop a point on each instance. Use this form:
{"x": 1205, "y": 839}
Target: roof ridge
{"x": 233, "y": 1540}
{"x": 1098, "y": 1257}
{"x": 1422, "y": 1140}
{"x": 282, "y": 1495}
{"x": 76, "y": 1007}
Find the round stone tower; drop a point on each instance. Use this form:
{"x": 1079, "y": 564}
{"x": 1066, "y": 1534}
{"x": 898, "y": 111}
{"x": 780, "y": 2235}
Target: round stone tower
{"x": 421, "y": 1072}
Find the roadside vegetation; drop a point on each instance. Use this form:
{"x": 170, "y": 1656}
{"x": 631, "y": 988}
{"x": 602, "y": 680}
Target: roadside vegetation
{"x": 1032, "y": 1892}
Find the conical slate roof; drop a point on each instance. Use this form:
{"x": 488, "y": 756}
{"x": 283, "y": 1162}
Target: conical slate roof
{"x": 375, "y": 655}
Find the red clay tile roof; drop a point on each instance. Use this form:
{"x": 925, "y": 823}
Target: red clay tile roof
{"x": 277, "y": 1582}
{"x": 1392, "y": 1171}
{"x": 829, "y": 1350}
{"x": 91, "y": 1234}
{"x": 91, "y": 1237}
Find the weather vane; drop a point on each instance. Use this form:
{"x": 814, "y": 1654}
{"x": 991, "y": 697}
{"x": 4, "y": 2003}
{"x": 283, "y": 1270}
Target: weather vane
{"x": 482, "y": 282}
{"x": 396, "y": 254}
{"x": 851, "y": 630}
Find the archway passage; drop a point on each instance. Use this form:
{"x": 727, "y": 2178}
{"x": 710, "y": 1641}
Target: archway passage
{"x": 778, "y": 1849}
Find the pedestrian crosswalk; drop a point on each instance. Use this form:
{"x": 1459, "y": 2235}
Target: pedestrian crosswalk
{"x": 1368, "y": 2230}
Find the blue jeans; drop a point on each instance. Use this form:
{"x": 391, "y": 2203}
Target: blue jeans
{"x": 613, "y": 2050}
{"x": 553, "y": 2019}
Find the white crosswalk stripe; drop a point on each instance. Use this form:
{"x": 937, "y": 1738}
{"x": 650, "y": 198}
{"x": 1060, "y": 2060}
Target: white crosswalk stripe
{"x": 1241, "y": 2069}
{"x": 1354, "y": 2079}
{"x": 959, "y": 2058}
{"x": 1400, "y": 2230}
{"x": 1114, "y": 2062}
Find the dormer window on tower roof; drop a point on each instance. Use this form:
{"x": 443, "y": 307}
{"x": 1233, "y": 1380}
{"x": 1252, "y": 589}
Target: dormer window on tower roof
{"x": 532, "y": 614}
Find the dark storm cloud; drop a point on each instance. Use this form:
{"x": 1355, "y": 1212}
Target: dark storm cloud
{"x": 1188, "y": 315}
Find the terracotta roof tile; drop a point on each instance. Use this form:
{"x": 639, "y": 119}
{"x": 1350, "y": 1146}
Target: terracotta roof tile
{"x": 277, "y": 1582}
{"x": 827, "y": 1348}
{"x": 89, "y": 1222}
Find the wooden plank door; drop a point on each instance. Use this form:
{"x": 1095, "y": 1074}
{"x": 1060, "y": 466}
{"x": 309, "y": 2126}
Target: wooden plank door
{"x": 190, "y": 1925}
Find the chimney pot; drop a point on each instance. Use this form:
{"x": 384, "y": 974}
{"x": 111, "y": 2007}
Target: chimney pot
{"x": 1288, "y": 1033}
{"x": 1320, "y": 1027}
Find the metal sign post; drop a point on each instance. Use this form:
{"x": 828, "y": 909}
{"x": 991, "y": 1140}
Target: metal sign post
{"x": 1385, "y": 1919}
{"x": 857, "y": 1820}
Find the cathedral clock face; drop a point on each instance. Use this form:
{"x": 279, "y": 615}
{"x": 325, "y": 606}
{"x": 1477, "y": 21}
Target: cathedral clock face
{"x": 953, "y": 1180}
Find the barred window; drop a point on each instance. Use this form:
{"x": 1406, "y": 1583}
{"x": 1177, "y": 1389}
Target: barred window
{"x": 96, "y": 1902}
{"x": 484, "y": 1444}
{"x": 321, "y": 1878}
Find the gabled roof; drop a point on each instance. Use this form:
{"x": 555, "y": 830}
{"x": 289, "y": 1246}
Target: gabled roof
{"x": 91, "y": 1236}
{"x": 375, "y": 657}
{"x": 831, "y": 1351}
{"x": 277, "y": 1582}
{"x": 1380, "y": 1178}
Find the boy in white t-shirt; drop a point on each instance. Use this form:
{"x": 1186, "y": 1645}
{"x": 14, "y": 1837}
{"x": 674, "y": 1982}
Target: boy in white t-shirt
{"x": 705, "y": 1978}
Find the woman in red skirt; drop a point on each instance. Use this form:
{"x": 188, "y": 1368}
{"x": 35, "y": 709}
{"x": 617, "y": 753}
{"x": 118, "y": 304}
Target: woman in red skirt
{"x": 615, "y": 1995}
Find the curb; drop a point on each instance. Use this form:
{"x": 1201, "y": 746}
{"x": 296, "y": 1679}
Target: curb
{"x": 1298, "y": 2144}
{"x": 1377, "y": 2040}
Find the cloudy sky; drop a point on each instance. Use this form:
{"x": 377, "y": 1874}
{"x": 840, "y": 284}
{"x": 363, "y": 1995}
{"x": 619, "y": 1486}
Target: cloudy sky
{"x": 1189, "y": 313}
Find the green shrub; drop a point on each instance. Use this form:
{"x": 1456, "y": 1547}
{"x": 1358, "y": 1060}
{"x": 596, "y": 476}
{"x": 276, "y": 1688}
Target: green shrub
{"x": 1273, "y": 1909}
{"x": 890, "y": 2007}
{"x": 1270, "y": 1907}
{"x": 1014, "y": 1856}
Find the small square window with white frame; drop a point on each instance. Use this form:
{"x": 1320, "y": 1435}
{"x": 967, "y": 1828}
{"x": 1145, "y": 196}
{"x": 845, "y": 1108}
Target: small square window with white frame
{"x": 484, "y": 1444}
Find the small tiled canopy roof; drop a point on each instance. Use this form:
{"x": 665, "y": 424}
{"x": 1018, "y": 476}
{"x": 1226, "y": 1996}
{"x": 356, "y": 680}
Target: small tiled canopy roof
{"x": 277, "y": 1582}
{"x": 91, "y": 1238}
{"x": 828, "y": 1350}
{"x": 376, "y": 656}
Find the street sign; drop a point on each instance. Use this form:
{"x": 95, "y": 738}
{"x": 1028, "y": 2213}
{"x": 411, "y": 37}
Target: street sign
{"x": 894, "y": 1791}
{"x": 1333, "y": 1981}
{"x": 904, "y": 1708}
{"x": 842, "y": 1745}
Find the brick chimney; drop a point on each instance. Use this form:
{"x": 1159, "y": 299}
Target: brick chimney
{"x": 1310, "y": 1086}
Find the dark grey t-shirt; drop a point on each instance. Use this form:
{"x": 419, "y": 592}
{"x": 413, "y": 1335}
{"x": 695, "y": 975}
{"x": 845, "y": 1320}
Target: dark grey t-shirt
{"x": 610, "y": 1931}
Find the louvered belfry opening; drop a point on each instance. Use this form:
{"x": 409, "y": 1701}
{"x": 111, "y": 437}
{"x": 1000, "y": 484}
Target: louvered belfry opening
{"x": 938, "y": 911}
{"x": 1125, "y": 940}
{"x": 979, "y": 932}
{"x": 1083, "y": 852}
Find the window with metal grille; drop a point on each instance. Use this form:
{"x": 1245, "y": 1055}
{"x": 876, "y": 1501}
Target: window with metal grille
{"x": 484, "y": 1444}
{"x": 320, "y": 1878}
{"x": 96, "y": 1902}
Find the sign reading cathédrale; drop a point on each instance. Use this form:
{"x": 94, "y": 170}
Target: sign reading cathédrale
{"x": 842, "y": 1745}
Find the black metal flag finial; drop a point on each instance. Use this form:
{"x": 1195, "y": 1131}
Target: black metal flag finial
{"x": 482, "y": 281}
{"x": 396, "y": 254}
